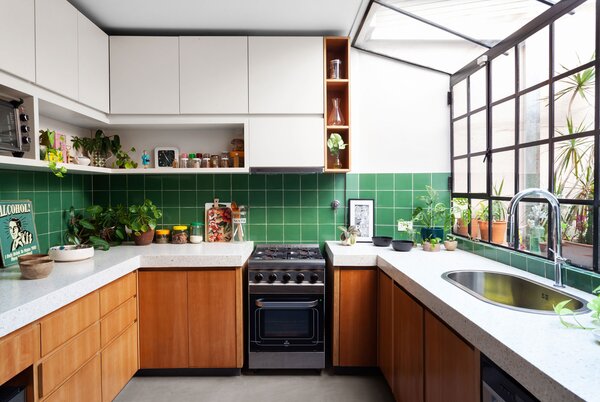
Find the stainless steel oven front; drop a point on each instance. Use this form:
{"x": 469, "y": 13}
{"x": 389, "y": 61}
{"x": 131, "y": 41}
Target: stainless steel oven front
{"x": 14, "y": 131}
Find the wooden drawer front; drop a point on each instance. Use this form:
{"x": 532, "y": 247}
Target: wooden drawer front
{"x": 119, "y": 363}
{"x": 83, "y": 386}
{"x": 67, "y": 322}
{"x": 115, "y": 322}
{"x": 17, "y": 352}
{"x": 116, "y": 293}
{"x": 68, "y": 359}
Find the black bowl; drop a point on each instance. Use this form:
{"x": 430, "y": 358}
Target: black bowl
{"x": 402, "y": 245}
{"x": 381, "y": 241}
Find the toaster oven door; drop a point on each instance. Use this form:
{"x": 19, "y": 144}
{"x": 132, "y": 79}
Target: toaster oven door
{"x": 10, "y": 136}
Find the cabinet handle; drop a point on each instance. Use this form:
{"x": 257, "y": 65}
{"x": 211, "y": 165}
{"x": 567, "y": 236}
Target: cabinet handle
{"x": 288, "y": 304}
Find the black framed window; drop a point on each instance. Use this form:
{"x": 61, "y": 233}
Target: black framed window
{"x": 529, "y": 117}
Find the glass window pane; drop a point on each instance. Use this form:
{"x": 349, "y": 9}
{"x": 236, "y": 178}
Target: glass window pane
{"x": 498, "y": 220}
{"x": 503, "y": 124}
{"x": 477, "y": 88}
{"x": 462, "y": 216}
{"x": 574, "y": 103}
{"x": 574, "y": 35}
{"x": 478, "y": 175}
{"x": 503, "y": 75}
{"x": 534, "y": 117}
{"x": 388, "y": 32}
{"x": 534, "y": 59}
{"x": 459, "y": 98}
{"x": 460, "y": 137}
{"x": 533, "y": 167}
{"x": 460, "y": 176}
{"x": 477, "y": 209}
{"x": 478, "y": 132}
{"x": 578, "y": 234}
{"x": 574, "y": 168}
{"x": 503, "y": 173}
{"x": 533, "y": 227}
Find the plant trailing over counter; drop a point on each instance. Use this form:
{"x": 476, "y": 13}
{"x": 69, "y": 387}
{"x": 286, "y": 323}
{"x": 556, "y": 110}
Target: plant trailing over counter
{"x": 142, "y": 220}
{"x": 101, "y": 228}
{"x": 336, "y": 143}
{"x": 594, "y": 305}
{"x": 51, "y": 154}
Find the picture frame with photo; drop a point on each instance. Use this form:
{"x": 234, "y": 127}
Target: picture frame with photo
{"x": 361, "y": 213}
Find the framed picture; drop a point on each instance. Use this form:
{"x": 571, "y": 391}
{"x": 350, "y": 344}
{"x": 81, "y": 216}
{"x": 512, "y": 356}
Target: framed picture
{"x": 164, "y": 157}
{"x": 361, "y": 214}
{"x": 17, "y": 231}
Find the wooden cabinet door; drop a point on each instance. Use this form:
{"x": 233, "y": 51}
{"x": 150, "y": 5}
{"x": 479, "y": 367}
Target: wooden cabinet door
{"x": 408, "y": 348}
{"x": 119, "y": 363}
{"x": 214, "y": 74}
{"x": 285, "y": 75}
{"x": 385, "y": 341}
{"x": 93, "y": 64}
{"x": 83, "y": 386}
{"x": 213, "y": 317}
{"x": 163, "y": 319}
{"x": 17, "y": 42}
{"x": 451, "y": 364}
{"x": 56, "y": 46}
{"x": 358, "y": 317}
{"x": 144, "y": 75}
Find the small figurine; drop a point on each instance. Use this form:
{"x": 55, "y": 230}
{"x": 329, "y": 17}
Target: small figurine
{"x": 145, "y": 159}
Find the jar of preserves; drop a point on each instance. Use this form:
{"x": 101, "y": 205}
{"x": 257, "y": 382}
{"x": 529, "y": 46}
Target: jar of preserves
{"x": 183, "y": 161}
{"x": 179, "y": 235}
{"x": 161, "y": 236}
{"x": 196, "y": 232}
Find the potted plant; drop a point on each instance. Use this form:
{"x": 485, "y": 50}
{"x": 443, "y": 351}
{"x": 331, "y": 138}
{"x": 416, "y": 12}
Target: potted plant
{"x": 98, "y": 148}
{"x": 51, "y": 154}
{"x": 465, "y": 216}
{"x": 141, "y": 220}
{"x": 101, "y": 228}
{"x": 336, "y": 143}
{"x": 450, "y": 242}
{"x": 432, "y": 244}
{"x": 499, "y": 224}
{"x": 123, "y": 160}
{"x": 348, "y": 235}
{"x": 433, "y": 215}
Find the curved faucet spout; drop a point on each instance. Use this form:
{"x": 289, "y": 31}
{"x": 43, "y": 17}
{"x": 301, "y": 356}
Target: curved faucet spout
{"x": 555, "y": 229}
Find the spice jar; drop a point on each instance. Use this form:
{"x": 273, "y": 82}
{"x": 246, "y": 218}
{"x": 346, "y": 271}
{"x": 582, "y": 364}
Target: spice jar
{"x": 238, "y": 214}
{"x": 334, "y": 69}
{"x": 214, "y": 161}
{"x": 180, "y": 235}
{"x": 205, "y": 161}
{"x": 161, "y": 236}
{"x": 183, "y": 163}
{"x": 224, "y": 159}
{"x": 196, "y": 232}
{"x": 196, "y": 163}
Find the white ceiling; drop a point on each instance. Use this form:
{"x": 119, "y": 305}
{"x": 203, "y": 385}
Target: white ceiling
{"x": 249, "y": 17}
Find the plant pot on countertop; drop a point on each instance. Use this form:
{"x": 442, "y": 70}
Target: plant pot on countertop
{"x": 427, "y": 233}
{"x": 450, "y": 245}
{"x": 428, "y": 247}
{"x": 498, "y": 231}
{"x": 144, "y": 238}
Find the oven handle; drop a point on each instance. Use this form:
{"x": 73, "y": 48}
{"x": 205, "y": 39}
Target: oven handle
{"x": 287, "y": 304}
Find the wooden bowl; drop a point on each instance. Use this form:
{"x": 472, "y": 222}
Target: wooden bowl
{"x": 31, "y": 257}
{"x": 36, "y": 268}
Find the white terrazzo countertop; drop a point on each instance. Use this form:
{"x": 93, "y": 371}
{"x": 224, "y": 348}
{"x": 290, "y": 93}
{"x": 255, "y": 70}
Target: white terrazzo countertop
{"x": 24, "y": 301}
{"x": 554, "y": 363}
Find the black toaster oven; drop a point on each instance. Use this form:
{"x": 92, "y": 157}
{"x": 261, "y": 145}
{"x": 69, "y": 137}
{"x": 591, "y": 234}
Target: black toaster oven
{"x": 14, "y": 131}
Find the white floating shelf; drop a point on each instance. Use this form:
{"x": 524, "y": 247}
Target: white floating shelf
{"x": 179, "y": 170}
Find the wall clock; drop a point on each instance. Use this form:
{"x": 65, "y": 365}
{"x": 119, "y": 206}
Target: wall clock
{"x": 164, "y": 157}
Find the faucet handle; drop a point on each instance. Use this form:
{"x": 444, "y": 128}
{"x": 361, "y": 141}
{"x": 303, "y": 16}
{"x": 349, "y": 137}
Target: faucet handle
{"x": 558, "y": 257}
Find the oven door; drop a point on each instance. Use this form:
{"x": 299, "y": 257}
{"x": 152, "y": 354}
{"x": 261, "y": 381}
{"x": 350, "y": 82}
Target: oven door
{"x": 286, "y": 322}
{"x": 10, "y": 135}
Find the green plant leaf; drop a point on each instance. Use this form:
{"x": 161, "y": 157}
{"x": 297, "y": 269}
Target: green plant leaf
{"x": 98, "y": 242}
{"x": 86, "y": 224}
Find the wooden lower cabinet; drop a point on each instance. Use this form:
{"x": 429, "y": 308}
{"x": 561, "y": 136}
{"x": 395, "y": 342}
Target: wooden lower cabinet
{"x": 119, "y": 363}
{"x": 385, "y": 341}
{"x": 17, "y": 352}
{"x": 408, "y": 347}
{"x": 83, "y": 386}
{"x": 451, "y": 364}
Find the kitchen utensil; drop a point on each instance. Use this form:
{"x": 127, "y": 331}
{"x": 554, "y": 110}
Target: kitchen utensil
{"x": 402, "y": 245}
{"x": 71, "y": 253}
{"x": 381, "y": 241}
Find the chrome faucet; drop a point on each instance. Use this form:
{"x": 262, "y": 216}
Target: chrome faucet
{"x": 555, "y": 229}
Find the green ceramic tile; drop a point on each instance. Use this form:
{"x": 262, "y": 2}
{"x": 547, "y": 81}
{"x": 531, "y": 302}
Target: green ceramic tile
{"x": 274, "y": 182}
{"x": 187, "y": 199}
{"x": 40, "y": 181}
{"x": 77, "y": 183}
{"x": 122, "y": 182}
{"x": 292, "y": 233}
{"x": 55, "y": 220}
{"x": 327, "y": 233}
{"x": 291, "y": 198}
{"x": 439, "y": 181}
{"x": 326, "y": 182}
{"x": 367, "y": 181}
{"x": 325, "y": 197}
{"x": 340, "y": 181}
{"x": 187, "y": 182}
{"x": 25, "y": 180}
{"x": 490, "y": 252}
{"x": 309, "y": 182}
{"x": 384, "y": 216}
{"x": 170, "y": 182}
{"x": 66, "y": 201}
{"x": 403, "y": 213}
{"x": 40, "y": 202}
{"x": 292, "y": 215}
{"x": 100, "y": 182}
{"x": 275, "y": 198}
{"x": 309, "y": 233}
{"x": 55, "y": 239}
{"x": 369, "y": 195}
{"x": 503, "y": 256}
{"x": 223, "y": 195}
{"x": 222, "y": 182}
{"x": 66, "y": 183}
{"x": 171, "y": 199}
{"x": 204, "y": 196}
{"x": 257, "y": 233}
{"x": 385, "y": 181}
{"x": 170, "y": 216}
{"x": 257, "y": 198}
{"x": 41, "y": 223}
{"x": 257, "y": 182}
{"x": 479, "y": 249}
{"x": 43, "y": 240}
{"x": 99, "y": 198}
{"x": 536, "y": 267}
{"x": 385, "y": 199}
{"x": 309, "y": 216}
{"x": 403, "y": 181}
{"x": 291, "y": 182}
{"x": 240, "y": 197}
{"x": 257, "y": 216}
{"x": 138, "y": 197}
{"x": 274, "y": 215}
{"x": 384, "y": 230}
{"x": 421, "y": 180}
{"x": 578, "y": 279}
{"x": 351, "y": 195}
{"x": 403, "y": 199}
{"x": 309, "y": 198}
{"x": 326, "y": 216}
{"x": 188, "y": 215}
{"x": 153, "y": 182}
{"x": 550, "y": 271}
{"x": 87, "y": 183}
{"x": 595, "y": 281}
{"x": 155, "y": 197}
{"x": 275, "y": 233}
{"x": 116, "y": 198}
{"x": 352, "y": 182}
{"x": 518, "y": 261}
{"x": 417, "y": 201}
{"x": 239, "y": 181}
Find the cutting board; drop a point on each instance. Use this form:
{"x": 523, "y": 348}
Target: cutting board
{"x": 218, "y": 222}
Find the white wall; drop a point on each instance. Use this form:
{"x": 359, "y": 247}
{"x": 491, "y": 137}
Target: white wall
{"x": 400, "y": 119}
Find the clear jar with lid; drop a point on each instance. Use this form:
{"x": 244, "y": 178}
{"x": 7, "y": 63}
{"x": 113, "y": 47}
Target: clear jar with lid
{"x": 224, "y": 159}
{"x": 205, "y": 161}
{"x": 196, "y": 162}
{"x": 161, "y": 236}
{"x": 179, "y": 235}
{"x": 214, "y": 161}
{"x": 196, "y": 232}
{"x": 183, "y": 161}
{"x": 239, "y": 223}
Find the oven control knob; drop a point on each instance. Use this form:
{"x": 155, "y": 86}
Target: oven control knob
{"x": 272, "y": 277}
{"x": 314, "y": 277}
{"x": 24, "y": 129}
{"x": 258, "y": 277}
{"x": 24, "y": 117}
{"x": 286, "y": 278}
{"x": 300, "y": 277}
{"x": 26, "y": 139}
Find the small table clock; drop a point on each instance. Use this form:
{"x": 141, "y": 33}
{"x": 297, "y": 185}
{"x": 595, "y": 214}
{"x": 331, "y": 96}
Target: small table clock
{"x": 165, "y": 157}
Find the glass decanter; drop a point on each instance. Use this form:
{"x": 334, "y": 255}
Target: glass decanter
{"x": 335, "y": 116}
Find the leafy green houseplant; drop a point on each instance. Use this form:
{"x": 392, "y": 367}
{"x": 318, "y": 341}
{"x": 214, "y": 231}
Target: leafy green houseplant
{"x": 432, "y": 244}
{"x": 336, "y": 143}
{"x": 100, "y": 227}
{"x": 563, "y": 312}
{"x": 348, "y": 235}
{"x": 499, "y": 224}
{"x": 142, "y": 220}
{"x": 51, "y": 154}
{"x": 433, "y": 216}
{"x": 464, "y": 217}
{"x": 100, "y": 147}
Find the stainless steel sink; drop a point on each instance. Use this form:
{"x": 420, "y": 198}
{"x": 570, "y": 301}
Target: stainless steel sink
{"x": 513, "y": 292}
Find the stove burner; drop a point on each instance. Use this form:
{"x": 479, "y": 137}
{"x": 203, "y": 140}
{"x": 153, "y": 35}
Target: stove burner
{"x": 285, "y": 252}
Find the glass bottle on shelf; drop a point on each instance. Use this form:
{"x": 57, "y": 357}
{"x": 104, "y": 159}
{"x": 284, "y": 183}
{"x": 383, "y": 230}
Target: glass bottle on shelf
{"x": 205, "y": 160}
{"x": 334, "y": 69}
{"x": 214, "y": 161}
{"x": 335, "y": 116}
{"x": 224, "y": 159}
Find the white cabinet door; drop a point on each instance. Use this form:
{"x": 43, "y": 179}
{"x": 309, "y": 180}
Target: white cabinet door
{"x": 285, "y": 141}
{"x": 144, "y": 75}
{"x": 214, "y": 74}
{"x": 93, "y": 64}
{"x": 56, "y": 46}
{"x": 17, "y": 41}
{"x": 286, "y": 74}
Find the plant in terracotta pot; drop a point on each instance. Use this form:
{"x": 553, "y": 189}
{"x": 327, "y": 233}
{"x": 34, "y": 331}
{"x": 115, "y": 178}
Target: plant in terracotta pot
{"x": 432, "y": 244}
{"x": 450, "y": 242}
{"x": 464, "y": 217}
{"x": 433, "y": 215}
{"x": 498, "y": 216}
{"x": 348, "y": 235}
{"x": 141, "y": 220}
{"x": 336, "y": 143}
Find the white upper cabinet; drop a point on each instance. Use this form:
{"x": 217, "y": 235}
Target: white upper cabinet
{"x": 214, "y": 74}
{"x": 144, "y": 75}
{"x": 93, "y": 65}
{"x": 17, "y": 42}
{"x": 295, "y": 141}
{"x": 56, "y": 46}
{"x": 286, "y": 75}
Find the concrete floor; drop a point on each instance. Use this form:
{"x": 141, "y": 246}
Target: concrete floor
{"x": 259, "y": 388}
